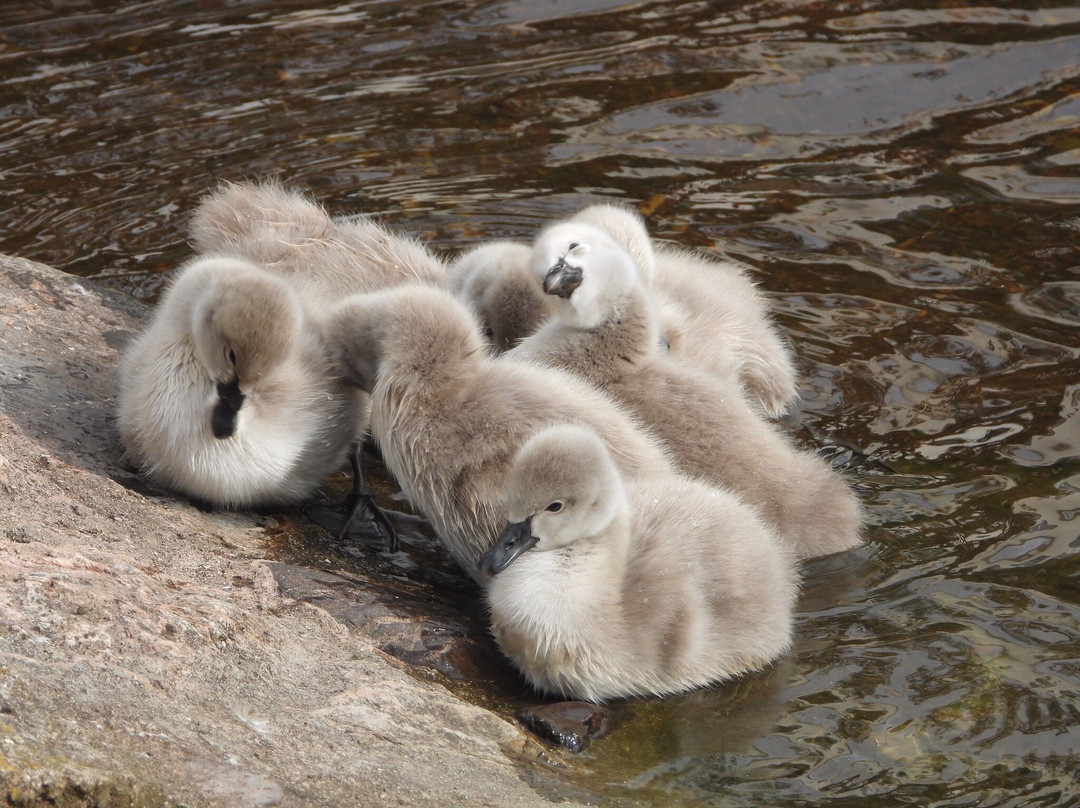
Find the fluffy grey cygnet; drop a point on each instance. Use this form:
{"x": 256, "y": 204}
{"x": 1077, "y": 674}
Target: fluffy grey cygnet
{"x": 280, "y": 419}
{"x": 605, "y": 331}
{"x": 495, "y": 280}
{"x": 604, "y": 589}
{"x": 227, "y": 396}
{"x": 713, "y": 316}
{"x": 448, "y": 417}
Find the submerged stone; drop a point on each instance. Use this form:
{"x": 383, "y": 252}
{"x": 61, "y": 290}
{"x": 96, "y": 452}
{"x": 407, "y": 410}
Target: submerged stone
{"x": 570, "y": 724}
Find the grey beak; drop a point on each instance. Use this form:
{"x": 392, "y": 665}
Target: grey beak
{"x": 562, "y": 279}
{"x": 230, "y": 399}
{"x": 515, "y": 539}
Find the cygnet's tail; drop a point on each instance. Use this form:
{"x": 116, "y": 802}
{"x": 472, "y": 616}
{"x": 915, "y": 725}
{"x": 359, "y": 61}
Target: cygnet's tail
{"x": 290, "y": 234}
{"x": 260, "y": 221}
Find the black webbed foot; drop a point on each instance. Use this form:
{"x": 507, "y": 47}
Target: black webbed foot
{"x": 358, "y": 517}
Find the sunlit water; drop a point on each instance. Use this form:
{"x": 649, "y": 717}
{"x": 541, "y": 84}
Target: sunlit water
{"x": 905, "y": 180}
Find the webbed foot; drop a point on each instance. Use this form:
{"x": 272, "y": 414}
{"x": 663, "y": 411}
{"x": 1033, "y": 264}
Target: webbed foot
{"x": 358, "y": 517}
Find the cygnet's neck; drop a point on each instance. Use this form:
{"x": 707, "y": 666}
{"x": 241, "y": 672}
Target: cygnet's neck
{"x": 584, "y": 577}
{"x": 608, "y": 549}
{"x": 626, "y": 337}
{"x": 419, "y": 332}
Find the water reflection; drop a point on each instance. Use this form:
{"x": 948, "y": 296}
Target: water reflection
{"x": 825, "y": 103}
{"x": 902, "y": 179}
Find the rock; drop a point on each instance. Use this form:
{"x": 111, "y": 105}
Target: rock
{"x": 394, "y": 617}
{"x": 570, "y": 724}
{"x": 150, "y": 654}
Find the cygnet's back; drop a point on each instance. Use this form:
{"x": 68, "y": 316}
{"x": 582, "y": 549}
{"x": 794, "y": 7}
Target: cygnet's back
{"x": 291, "y": 235}
{"x": 495, "y": 281}
{"x": 605, "y": 331}
{"x": 226, "y": 395}
{"x": 712, "y": 314}
{"x": 448, "y": 417}
{"x": 603, "y": 590}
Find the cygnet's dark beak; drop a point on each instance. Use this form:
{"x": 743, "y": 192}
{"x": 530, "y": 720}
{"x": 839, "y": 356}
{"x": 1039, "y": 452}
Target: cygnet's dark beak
{"x": 230, "y": 399}
{"x": 562, "y": 279}
{"x": 515, "y": 539}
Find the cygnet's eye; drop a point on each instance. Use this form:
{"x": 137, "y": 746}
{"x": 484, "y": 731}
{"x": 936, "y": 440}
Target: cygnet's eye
{"x": 554, "y": 507}
{"x": 231, "y": 354}
{"x": 573, "y": 246}
{"x": 489, "y": 332}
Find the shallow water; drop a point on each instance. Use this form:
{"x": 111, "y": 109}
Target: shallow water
{"x": 903, "y": 177}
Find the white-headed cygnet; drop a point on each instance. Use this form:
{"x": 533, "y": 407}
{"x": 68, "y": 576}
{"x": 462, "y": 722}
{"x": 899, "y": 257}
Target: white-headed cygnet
{"x": 605, "y": 331}
{"x": 448, "y": 417}
{"x": 603, "y": 589}
{"x": 227, "y": 395}
{"x": 289, "y": 234}
{"x": 495, "y": 280}
{"x": 712, "y": 314}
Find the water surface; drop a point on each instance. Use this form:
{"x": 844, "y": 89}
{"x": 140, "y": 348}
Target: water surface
{"x": 904, "y": 179}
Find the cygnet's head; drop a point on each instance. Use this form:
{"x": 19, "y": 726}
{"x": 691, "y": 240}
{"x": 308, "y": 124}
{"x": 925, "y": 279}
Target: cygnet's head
{"x": 563, "y": 487}
{"x": 495, "y": 280}
{"x": 585, "y": 270}
{"x": 245, "y": 323}
{"x": 628, "y": 229}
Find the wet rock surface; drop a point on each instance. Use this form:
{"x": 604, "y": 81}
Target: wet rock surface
{"x": 400, "y": 619}
{"x": 570, "y": 724}
{"x": 152, "y": 653}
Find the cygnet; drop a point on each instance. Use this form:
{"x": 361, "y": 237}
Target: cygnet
{"x": 448, "y": 417}
{"x": 325, "y": 260}
{"x": 605, "y": 331}
{"x": 604, "y": 589}
{"x": 495, "y": 280}
{"x": 712, "y": 314}
{"x": 227, "y": 395}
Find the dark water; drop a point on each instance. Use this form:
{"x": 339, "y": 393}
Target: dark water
{"x": 903, "y": 176}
